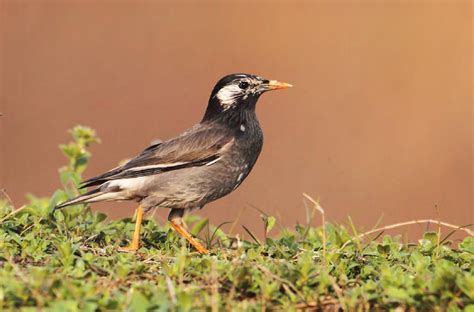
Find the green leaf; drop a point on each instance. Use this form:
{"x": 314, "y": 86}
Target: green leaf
{"x": 139, "y": 302}
{"x": 268, "y": 221}
{"x": 467, "y": 244}
{"x": 431, "y": 237}
{"x": 397, "y": 294}
{"x": 270, "y": 224}
{"x": 466, "y": 284}
{"x": 198, "y": 226}
{"x": 64, "y": 306}
{"x": 384, "y": 250}
{"x": 469, "y": 308}
{"x": 99, "y": 217}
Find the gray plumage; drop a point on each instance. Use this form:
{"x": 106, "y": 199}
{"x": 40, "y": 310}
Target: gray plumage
{"x": 205, "y": 163}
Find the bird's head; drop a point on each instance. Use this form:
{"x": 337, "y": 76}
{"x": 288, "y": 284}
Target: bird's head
{"x": 236, "y": 93}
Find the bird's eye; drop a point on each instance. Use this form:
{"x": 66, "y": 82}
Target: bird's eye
{"x": 243, "y": 85}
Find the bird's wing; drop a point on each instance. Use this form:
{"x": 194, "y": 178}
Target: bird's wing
{"x": 198, "y": 147}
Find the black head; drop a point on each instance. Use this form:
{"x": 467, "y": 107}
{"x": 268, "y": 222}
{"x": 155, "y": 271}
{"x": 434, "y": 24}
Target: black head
{"x": 238, "y": 93}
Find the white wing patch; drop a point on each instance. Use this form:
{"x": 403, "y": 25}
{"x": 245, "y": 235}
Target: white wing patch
{"x": 213, "y": 162}
{"x": 156, "y": 166}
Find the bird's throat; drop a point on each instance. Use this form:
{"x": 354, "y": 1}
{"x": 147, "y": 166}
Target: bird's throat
{"x": 243, "y": 111}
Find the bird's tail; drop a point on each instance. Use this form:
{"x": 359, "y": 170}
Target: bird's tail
{"x": 89, "y": 197}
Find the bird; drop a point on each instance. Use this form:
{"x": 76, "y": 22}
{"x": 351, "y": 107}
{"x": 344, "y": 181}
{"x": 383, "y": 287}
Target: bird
{"x": 204, "y": 163}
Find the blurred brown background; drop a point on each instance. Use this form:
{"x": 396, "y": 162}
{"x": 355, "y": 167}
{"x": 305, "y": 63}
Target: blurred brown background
{"x": 379, "y": 122}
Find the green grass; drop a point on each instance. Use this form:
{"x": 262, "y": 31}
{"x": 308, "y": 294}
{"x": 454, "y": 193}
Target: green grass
{"x": 67, "y": 260}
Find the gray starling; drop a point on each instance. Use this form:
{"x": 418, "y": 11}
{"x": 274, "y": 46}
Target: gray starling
{"x": 204, "y": 163}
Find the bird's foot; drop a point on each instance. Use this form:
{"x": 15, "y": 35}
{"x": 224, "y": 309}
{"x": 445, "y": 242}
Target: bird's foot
{"x": 199, "y": 247}
{"x": 135, "y": 244}
{"x": 182, "y": 231}
{"x": 130, "y": 249}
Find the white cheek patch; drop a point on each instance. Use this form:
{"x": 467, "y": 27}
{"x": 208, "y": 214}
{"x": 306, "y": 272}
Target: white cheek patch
{"x": 227, "y": 96}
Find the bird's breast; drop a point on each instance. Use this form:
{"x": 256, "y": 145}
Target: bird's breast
{"x": 242, "y": 156}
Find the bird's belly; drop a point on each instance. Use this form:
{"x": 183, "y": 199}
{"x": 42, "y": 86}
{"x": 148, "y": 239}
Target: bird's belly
{"x": 227, "y": 178}
{"x": 197, "y": 186}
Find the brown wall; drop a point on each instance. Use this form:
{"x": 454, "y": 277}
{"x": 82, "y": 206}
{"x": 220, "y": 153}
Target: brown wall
{"x": 379, "y": 121}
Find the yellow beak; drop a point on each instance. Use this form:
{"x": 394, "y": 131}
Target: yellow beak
{"x": 275, "y": 85}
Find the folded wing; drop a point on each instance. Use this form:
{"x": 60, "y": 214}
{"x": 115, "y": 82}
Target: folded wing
{"x": 198, "y": 147}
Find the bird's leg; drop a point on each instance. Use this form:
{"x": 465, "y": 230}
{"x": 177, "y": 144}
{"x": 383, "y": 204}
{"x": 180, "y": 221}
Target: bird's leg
{"x": 136, "y": 234}
{"x": 176, "y": 221}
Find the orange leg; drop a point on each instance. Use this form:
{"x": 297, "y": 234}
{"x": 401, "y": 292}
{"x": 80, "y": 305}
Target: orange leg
{"x": 182, "y": 231}
{"x": 136, "y": 234}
